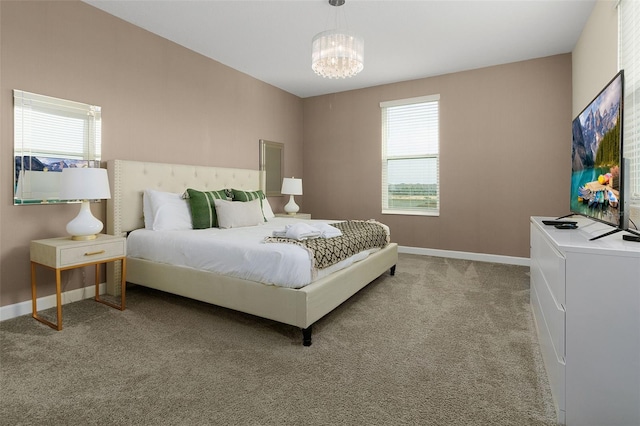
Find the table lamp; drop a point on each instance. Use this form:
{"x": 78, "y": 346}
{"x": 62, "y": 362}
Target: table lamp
{"x": 84, "y": 184}
{"x": 291, "y": 187}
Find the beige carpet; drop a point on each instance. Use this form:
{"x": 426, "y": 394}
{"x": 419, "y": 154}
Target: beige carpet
{"x": 443, "y": 342}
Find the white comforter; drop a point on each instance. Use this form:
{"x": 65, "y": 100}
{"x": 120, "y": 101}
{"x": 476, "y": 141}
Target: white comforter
{"x": 238, "y": 252}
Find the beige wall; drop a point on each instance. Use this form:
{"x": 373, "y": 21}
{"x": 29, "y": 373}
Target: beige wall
{"x": 160, "y": 102}
{"x": 505, "y": 144}
{"x": 595, "y": 57}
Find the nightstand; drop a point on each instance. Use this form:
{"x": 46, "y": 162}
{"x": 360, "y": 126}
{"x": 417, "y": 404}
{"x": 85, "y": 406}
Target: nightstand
{"x": 64, "y": 253}
{"x": 306, "y": 216}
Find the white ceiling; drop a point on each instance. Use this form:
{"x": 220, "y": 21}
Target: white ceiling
{"x": 404, "y": 40}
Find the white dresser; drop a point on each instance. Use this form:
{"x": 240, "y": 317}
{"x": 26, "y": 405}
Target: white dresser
{"x": 585, "y": 297}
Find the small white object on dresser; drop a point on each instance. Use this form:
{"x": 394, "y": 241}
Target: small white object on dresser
{"x": 585, "y": 297}
{"x": 64, "y": 253}
{"x": 305, "y": 216}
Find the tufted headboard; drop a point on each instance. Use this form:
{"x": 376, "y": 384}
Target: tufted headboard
{"x": 129, "y": 179}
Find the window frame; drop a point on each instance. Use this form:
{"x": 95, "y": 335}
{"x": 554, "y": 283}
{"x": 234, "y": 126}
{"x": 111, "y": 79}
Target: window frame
{"x": 386, "y": 158}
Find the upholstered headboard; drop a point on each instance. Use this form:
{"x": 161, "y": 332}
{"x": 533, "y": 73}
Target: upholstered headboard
{"x": 129, "y": 179}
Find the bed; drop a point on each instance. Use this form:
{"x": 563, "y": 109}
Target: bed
{"x": 299, "y": 307}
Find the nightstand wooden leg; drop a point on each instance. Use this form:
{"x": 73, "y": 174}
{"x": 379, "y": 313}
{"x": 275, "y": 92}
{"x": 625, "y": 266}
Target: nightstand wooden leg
{"x": 34, "y": 299}
{"x": 34, "y": 296}
{"x": 59, "y": 298}
{"x": 123, "y": 285}
{"x": 122, "y": 289}
{"x": 97, "y": 281}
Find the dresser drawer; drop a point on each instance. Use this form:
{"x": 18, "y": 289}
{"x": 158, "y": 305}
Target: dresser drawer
{"x": 552, "y": 312}
{"x": 552, "y": 265}
{"x": 554, "y": 364}
{"x": 91, "y": 253}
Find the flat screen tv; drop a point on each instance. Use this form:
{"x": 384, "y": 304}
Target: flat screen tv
{"x": 597, "y": 165}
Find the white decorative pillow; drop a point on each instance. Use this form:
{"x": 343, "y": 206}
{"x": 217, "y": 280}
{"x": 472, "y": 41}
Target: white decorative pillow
{"x": 266, "y": 209}
{"x": 170, "y": 212}
{"x": 147, "y": 210}
{"x": 232, "y": 214}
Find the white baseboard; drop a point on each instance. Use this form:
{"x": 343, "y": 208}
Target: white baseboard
{"x": 24, "y": 308}
{"x": 481, "y": 257}
{"x": 46, "y": 302}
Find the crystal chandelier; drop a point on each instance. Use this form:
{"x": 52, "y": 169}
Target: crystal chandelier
{"x": 337, "y": 53}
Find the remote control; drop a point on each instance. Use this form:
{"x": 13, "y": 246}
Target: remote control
{"x": 566, "y": 226}
{"x": 558, "y": 222}
{"x": 635, "y": 238}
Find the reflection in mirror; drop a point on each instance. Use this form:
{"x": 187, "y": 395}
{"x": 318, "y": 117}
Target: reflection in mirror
{"x": 272, "y": 163}
{"x": 51, "y": 134}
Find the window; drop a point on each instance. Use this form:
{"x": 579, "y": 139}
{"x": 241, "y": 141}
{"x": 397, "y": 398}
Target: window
{"x": 629, "y": 24}
{"x": 410, "y": 156}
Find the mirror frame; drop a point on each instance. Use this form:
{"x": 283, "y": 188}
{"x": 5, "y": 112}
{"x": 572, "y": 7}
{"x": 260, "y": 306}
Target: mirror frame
{"x": 272, "y": 163}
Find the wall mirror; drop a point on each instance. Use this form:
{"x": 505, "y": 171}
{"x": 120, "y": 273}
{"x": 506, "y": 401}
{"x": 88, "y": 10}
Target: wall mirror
{"x": 272, "y": 163}
{"x": 51, "y": 134}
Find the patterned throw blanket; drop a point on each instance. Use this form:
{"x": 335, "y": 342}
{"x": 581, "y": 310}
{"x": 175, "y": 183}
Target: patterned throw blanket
{"x": 357, "y": 236}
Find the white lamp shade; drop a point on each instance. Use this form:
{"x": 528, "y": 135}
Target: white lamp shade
{"x": 84, "y": 184}
{"x": 291, "y": 186}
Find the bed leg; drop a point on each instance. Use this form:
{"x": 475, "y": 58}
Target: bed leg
{"x": 306, "y": 336}
{"x": 392, "y": 271}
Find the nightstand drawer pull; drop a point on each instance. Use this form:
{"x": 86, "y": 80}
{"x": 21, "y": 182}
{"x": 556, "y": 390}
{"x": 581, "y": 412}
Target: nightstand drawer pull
{"x": 93, "y": 253}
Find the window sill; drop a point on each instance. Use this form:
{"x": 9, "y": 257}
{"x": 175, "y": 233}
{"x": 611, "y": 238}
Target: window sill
{"x": 412, "y": 212}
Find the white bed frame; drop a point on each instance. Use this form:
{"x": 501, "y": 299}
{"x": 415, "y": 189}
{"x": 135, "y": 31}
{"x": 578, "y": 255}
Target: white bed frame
{"x": 298, "y": 307}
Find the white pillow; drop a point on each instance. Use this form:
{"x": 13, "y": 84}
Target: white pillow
{"x": 170, "y": 212}
{"x": 266, "y": 209}
{"x": 235, "y": 214}
{"x": 147, "y": 210}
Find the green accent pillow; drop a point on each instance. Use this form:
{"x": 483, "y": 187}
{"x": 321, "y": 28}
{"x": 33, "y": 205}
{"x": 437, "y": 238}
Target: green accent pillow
{"x": 239, "y": 195}
{"x": 203, "y": 211}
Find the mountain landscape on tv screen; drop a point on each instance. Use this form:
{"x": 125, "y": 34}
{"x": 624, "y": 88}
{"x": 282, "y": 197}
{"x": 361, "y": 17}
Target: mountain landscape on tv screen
{"x": 598, "y": 129}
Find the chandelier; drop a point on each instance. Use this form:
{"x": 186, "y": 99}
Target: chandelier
{"x": 337, "y": 53}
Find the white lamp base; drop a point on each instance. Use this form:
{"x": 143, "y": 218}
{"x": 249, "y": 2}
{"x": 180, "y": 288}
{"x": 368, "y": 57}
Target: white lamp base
{"x": 84, "y": 226}
{"x": 291, "y": 207}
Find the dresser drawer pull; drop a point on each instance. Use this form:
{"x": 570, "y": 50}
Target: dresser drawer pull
{"x": 93, "y": 253}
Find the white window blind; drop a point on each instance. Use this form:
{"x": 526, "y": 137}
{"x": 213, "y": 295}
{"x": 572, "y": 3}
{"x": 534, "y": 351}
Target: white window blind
{"x": 56, "y": 128}
{"x": 410, "y": 156}
{"x": 629, "y": 25}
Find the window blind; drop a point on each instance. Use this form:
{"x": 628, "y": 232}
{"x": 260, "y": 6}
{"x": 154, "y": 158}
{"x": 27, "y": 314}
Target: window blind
{"x": 629, "y": 37}
{"x": 58, "y": 128}
{"x": 410, "y": 156}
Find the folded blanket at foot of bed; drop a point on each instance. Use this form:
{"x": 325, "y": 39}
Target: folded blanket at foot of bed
{"x": 305, "y": 231}
{"x": 357, "y": 236}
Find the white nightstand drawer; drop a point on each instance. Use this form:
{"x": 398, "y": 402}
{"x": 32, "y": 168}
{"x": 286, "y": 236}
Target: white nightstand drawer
{"x": 91, "y": 253}
{"x": 64, "y": 252}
